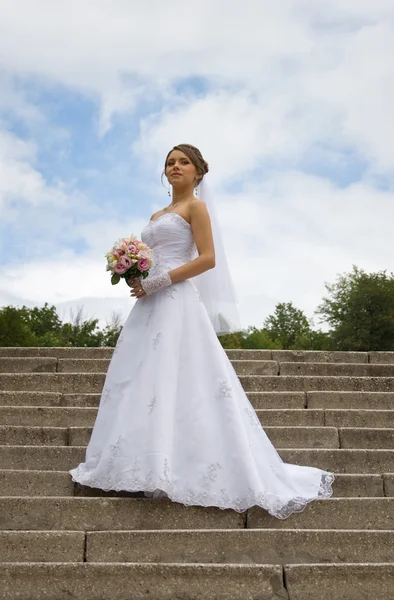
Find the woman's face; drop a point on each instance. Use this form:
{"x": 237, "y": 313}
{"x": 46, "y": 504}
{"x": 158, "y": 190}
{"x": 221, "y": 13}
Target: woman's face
{"x": 180, "y": 171}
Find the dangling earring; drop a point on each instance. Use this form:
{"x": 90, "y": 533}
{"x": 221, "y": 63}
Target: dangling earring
{"x": 196, "y": 190}
{"x": 169, "y": 191}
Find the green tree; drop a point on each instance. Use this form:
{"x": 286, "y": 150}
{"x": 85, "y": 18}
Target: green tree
{"x": 260, "y": 339}
{"x": 111, "y": 331}
{"x": 80, "y": 332}
{"x": 14, "y": 331}
{"x": 232, "y": 341}
{"x": 287, "y": 326}
{"x": 360, "y": 311}
{"x": 42, "y": 321}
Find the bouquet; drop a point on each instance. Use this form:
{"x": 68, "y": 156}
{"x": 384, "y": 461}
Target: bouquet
{"x": 129, "y": 257}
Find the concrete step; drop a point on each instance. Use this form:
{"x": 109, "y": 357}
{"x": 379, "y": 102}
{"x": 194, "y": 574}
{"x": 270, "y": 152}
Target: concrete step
{"x": 55, "y": 399}
{"x": 59, "y": 483}
{"x": 261, "y": 400}
{"x": 353, "y": 582}
{"x": 28, "y": 365}
{"x": 337, "y": 369}
{"x": 242, "y": 367}
{"x": 71, "y": 416}
{"x": 48, "y": 416}
{"x": 42, "y": 546}
{"x": 108, "y": 513}
{"x": 309, "y": 383}
{"x": 102, "y": 514}
{"x": 67, "y": 383}
{"x": 60, "y": 352}
{"x": 352, "y": 437}
{"x": 334, "y": 513}
{"x": 235, "y": 354}
{"x": 253, "y": 546}
{"x": 63, "y": 458}
{"x": 285, "y": 437}
{"x": 232, "y": 546}
{"x": 368, "y": 400}
{"x": 323, "y": 356}
{"x": 96, "y": 581}
{"x": 100, "y": 365}
{"x": 61, "y": 581}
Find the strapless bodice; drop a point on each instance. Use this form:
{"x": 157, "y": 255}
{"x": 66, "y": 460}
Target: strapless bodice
{"x": 171, "y": 240}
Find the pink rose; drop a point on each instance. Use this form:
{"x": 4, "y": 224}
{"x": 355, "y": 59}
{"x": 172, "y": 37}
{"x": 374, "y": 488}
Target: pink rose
{"x": 120, "y": 269}
{"x": 143, "y": 264}
{"x": 131, "y": 249}
{"x": 125, "y": 261}
{"x": 118, "y": 252}
{"x": 145, "y": 254}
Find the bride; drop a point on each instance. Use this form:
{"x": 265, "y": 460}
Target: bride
{"x": 174, "y": 420}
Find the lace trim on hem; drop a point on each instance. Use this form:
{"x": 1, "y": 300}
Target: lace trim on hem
{"x": 207, "y": 499}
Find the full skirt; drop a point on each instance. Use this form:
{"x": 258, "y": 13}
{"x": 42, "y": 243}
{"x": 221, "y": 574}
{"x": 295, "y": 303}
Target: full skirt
{"x": 174, "y": 420}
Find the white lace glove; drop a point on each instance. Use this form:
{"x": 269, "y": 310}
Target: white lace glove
{"x": 150, "y": 285}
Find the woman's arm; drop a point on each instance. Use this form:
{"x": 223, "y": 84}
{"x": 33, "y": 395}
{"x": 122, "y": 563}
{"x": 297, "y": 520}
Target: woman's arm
{"x": 202, "y": 233}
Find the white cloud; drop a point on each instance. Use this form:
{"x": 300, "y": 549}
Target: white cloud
{"x": 284, "y": 82}
{"x": 19, "y": 180}
{"x": 309, "y": 68}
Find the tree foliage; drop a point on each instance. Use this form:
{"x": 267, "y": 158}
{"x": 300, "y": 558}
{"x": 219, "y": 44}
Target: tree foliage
{"x": 43, "y": 327}
{"x": 359, "y": 312}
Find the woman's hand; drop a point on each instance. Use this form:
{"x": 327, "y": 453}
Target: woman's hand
{"x": 136, "y": 288}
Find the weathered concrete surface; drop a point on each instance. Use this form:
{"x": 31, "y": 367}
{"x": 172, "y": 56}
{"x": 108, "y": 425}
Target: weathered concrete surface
{"x": 96, "y": 514}
{"x": 59, "y": 581}
{"x": 283, "y": 437}
{"x": 241, "y": 546}
{"x": 42, "y": 546}
{"x": 67, "y": 383}
{"x": 368, "y": 399}
{"x": 340, "y": 582}
{"x": 59, "y": 483}
{"x": 35, "y": 483}
{"x": 353, "y": 437}
{"x": 28, "y": 365}
{"x": 62, "y": 458}
{"x": 337, "y": 369}
{"x": 335, "y": 513}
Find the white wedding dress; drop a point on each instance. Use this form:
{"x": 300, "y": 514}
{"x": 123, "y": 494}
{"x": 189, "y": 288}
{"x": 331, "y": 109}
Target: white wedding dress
{"x": 174, "y": 420}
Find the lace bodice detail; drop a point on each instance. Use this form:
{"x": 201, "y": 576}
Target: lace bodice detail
{"x": 171, "y": 239}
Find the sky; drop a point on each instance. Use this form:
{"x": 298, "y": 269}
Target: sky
{"x": 291, "y": 103}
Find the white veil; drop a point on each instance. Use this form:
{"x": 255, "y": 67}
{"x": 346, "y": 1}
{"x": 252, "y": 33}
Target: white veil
{"x": 215, "y": 286}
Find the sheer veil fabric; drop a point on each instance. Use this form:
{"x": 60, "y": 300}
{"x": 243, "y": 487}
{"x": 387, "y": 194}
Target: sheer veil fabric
{"x": 216, "y": 285}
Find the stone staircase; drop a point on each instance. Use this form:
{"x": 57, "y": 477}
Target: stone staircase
{"x": 60, "y": 541}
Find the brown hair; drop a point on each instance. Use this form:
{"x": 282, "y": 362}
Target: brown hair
{"x": 196, "y": 158}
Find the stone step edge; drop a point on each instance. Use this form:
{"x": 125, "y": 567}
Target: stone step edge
{"x": 258, "y": 579}
{"x": 389, "y": 499}
{"x": 81, "y": 374}
{"x": 389, "y": 473}
{"x": 54, "y": 447}
{"x": 324, "y": 427}
{"x": 190, "y": 531}
{"x": 58, "y": 360}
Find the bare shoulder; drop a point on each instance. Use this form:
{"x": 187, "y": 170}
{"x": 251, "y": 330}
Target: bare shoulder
{"x": 155, "y": 214}
{"x": 198, "y": 208}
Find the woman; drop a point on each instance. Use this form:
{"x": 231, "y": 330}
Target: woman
{"x": 174, "y": 420}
